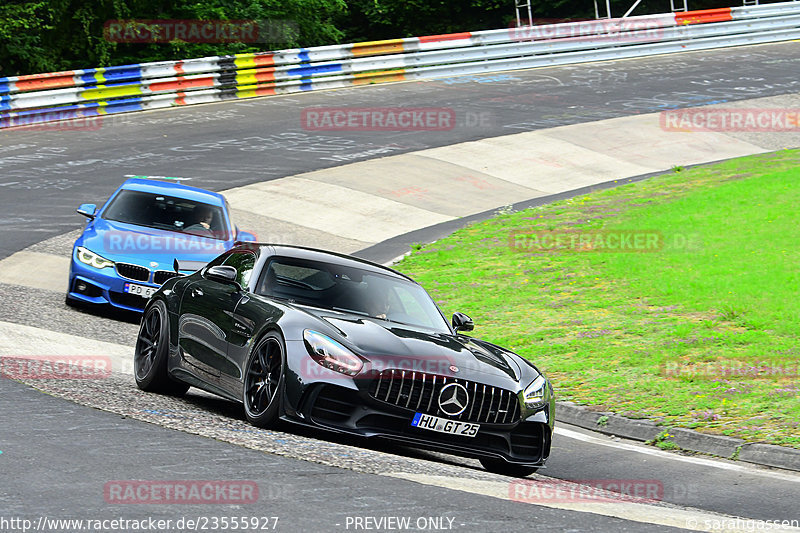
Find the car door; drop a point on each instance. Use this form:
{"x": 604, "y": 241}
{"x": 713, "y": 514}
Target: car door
{"x": 239, "y": 330}
{"x": 206, "y": 318}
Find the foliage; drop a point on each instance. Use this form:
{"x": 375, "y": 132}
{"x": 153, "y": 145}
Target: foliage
{"x": 662, "y": 441}
{"x": 383, "y": 19}
{"x": 54, "y": 35}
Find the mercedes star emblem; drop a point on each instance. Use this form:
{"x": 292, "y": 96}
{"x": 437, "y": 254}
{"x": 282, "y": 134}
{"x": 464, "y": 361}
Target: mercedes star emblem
{"x": 453, "y": 399}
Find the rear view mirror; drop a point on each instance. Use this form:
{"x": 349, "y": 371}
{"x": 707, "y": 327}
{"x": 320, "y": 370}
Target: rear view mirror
{"x": 87, "y": 210}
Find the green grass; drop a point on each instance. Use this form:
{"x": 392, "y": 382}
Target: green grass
{"x": 647, "y": 334}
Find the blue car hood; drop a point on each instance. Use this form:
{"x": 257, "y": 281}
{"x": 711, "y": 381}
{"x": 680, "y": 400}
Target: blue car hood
{"x": 139, "y": 245}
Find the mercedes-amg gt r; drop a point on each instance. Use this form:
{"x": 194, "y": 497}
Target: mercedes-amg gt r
{"x": 335, "y": 342}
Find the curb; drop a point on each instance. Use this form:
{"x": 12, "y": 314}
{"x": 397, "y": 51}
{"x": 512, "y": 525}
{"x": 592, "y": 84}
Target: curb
{"x": 609, "y": 423}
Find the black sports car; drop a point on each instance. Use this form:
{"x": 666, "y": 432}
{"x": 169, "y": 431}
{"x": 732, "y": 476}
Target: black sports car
{"x": 332, "y": 341}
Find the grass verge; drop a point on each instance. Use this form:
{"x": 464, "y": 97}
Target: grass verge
{"x": 694, "y": 325}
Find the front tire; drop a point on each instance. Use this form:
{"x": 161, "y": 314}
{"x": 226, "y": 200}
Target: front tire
{"x": 264, "y": 381}
{"x": 504, "y": 468}
{"x": 152, "y": 351}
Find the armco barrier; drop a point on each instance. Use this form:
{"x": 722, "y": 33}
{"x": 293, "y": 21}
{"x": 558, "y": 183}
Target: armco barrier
{"x": 101, "y": 91}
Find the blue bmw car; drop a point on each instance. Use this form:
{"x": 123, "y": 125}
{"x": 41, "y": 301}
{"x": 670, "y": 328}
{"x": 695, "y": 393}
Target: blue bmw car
{"x": 129, "y": 245}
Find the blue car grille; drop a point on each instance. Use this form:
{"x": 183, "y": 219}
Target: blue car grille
{"x": 133, "y": 272}
{"x": 419, "y": 392}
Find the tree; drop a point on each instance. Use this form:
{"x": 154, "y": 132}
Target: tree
{"x": 52, "y": 35}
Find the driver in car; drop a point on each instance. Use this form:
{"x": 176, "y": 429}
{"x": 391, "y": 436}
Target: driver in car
{"x": 205, "y": 216}
{"x": 378, "y": 305}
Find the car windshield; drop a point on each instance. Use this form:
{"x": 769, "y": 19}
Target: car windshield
{"x": 351, "y": 290}
{"x": 167, "y": 213}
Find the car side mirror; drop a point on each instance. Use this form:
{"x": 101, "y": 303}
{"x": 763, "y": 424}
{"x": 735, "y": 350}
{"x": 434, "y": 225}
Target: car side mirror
{"x": 462, "y": 322}
{"x": 244, "y": 236}
{"x": 183, "y": 265}
{"x": 87, "y": 210}
{"x": 223, "y": 274}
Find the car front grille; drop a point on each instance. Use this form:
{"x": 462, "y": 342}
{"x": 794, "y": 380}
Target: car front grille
{"x": 162, "y": 276}
{"x": 133, "y": 272}
{"x": 419, "y": 392}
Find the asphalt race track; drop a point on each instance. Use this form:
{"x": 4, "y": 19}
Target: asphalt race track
{"x": 57, "y": 454}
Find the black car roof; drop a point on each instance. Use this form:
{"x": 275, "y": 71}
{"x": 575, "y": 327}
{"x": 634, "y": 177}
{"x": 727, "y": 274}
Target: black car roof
{"x": 315, "y": 254}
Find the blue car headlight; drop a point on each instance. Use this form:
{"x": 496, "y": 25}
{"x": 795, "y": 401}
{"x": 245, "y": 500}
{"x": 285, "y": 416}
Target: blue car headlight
{"x": 90, "y": 258}
{"x": 537, "y": 394}
{"x": 330, "y": 354}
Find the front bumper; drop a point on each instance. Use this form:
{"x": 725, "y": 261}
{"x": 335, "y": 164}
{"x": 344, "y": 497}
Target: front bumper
{"x": 103, "y": 287}
{"x": 524, "y": 442}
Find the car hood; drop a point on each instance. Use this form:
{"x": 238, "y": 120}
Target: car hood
{"x": 121, "y": 242}
{"x": 392, "y": 345}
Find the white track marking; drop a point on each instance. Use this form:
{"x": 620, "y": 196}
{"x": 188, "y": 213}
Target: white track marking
{"x": 346, "y": 212}
{"x": 735, "y": 467}
{"x": 684, "y": 518}
{"x": 37, "y": 270}
{"x": 20, "y": 341}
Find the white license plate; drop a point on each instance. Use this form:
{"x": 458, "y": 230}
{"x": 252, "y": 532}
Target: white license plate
{"x": 140, "y": 290}
{"x": 442, "y": 425}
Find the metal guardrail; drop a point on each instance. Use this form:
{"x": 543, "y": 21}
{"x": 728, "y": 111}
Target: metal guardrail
{"x": 92, "y": 92}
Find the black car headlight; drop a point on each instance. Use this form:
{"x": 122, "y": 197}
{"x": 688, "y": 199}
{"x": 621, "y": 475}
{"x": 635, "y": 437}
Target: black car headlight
{"x": 90, "y": 258}
{"x": 330, "y": 354}
{"x": 537, "y": 394}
